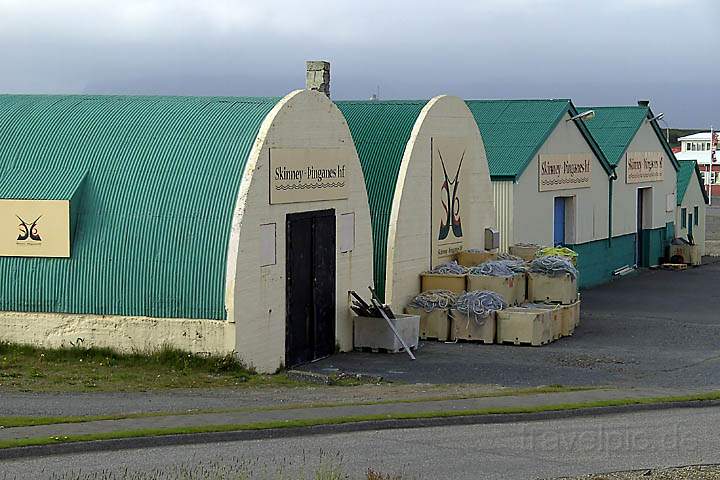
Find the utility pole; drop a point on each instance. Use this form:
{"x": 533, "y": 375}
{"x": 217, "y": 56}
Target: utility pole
{"x": 713, "y": 149}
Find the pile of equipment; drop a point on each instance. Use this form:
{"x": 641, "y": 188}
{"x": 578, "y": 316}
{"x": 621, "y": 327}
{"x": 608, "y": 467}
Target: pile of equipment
{"x": 526, "y": 297}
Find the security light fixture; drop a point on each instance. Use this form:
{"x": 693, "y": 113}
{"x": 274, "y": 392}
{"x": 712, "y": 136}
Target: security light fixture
{"x": 589, "y": 115}
{"x": 657, "y": 117}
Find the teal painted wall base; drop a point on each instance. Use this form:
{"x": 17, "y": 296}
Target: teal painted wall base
{"x": 597, "y": 260}
{"x": 656, "y": 242}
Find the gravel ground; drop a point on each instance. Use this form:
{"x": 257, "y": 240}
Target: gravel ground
{"x": 711, "y": 472}
{"x": 653, "y": 329}
{"x": 712, "y": 220}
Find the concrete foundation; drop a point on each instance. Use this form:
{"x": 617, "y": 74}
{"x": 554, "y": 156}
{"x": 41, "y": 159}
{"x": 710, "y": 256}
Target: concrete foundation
{"x": 122, "y": 334}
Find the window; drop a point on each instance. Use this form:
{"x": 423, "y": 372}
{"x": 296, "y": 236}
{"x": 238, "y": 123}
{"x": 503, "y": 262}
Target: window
{"x": 683, "y": 217}
{"x": 268, "y": 245}
{"x": 696, "y": 214}
{"x": 707, "y": 146}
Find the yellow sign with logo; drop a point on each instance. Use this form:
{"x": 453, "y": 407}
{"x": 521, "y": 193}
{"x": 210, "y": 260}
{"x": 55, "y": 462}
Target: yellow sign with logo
{"x": 564, "y": 172}
{"x": 308, "y": 174}
{"x": 644, "y": 167}
{"x": 448, "y": 200}
{"x": 34, "y": 228}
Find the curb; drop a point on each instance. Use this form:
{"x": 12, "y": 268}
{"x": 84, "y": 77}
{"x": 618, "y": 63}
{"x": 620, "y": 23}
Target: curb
{"x": 276, "y": 433}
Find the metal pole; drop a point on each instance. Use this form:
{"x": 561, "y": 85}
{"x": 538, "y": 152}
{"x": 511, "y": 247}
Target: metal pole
{"x": 392, "y": 327}
{"x": 713, "y": 146}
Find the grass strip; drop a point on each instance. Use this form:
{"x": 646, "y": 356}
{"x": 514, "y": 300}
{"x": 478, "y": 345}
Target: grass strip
{"x": 283, "y": 424}
{"x": 30, "y": 421}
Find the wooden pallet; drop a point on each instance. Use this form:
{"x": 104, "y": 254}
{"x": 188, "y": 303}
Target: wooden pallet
{"x": 474, "y": 340}
{"x": 382, "y": 350}
{"x": 674, "y": 266}
{"x": 526, "y": 344}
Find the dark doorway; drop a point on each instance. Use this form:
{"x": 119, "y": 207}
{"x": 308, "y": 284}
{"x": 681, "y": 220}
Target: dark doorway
{"x": 644, "y": 221}
{"x": 559, "y": 222}
{"x": 310, "y": 286}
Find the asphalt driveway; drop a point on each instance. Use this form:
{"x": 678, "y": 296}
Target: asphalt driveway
{"x": 652, "y": 329}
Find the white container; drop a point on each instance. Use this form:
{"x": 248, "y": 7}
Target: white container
{"x": 570, "y": 318}
{"x": 543, "y": 288}
{"x": 434, "y": 325}
{"x": 465, "y": 328}
{"x": 440, "y": 281}
{"x": 374, "y": 333}
{"x": 518, "y": 326}
{"x": 557, "y": 315}
{"x": 512, "y": 289}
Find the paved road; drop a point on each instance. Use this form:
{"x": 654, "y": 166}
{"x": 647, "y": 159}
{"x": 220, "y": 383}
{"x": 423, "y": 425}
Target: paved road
{"x": 653, "y": 329}
{"x": 518, "y": 451}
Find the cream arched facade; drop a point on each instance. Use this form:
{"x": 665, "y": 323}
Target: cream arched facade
{"x": 440, "y": 133}
{"x": 256, "y": 295}
{"x": 219, "y": 179}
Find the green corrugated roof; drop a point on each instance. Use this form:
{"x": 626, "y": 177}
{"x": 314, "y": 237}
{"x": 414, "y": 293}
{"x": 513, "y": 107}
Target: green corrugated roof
{"x": 162, "y": 176}
{"x": 614, "y": 128}
{"x": 688, "y": 168}
{"x": 514, "y": 130}
{"x": 380, "y": 130}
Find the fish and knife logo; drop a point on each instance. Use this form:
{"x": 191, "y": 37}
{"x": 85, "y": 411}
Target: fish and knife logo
{"x": 450, "y": 202}
{"x": 29, "y": 231}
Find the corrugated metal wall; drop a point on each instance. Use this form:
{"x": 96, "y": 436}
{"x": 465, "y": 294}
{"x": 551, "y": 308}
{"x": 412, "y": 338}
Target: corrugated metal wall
{"x": 153, "y": 223}
{"x": 381, "y": 131}
{"x": 503, "y": 197}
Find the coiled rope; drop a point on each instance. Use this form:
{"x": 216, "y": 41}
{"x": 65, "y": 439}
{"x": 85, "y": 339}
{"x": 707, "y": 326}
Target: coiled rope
{"x": 477, "y": 305}
{"x": 450, "y": 268}
{"x": 507, "y": 256}
{"x": 553, "y": 266}
{"x": 434, "y": 300}
{"x": 499, "y": 268}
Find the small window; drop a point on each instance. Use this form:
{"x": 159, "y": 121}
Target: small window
{"x": 347, "y": 232}
{"x": 683, "y": 217}
{"x": 268, "y": 245}
{"x": 696, "y": 211}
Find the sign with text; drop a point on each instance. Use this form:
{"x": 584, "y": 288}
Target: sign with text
{"x": 644, "y": 167}
{"x": 447, "y": 197}
{"x": 308, "y": 174}
{"x": 34, "y": 228}
{"x": 564, "y": 172}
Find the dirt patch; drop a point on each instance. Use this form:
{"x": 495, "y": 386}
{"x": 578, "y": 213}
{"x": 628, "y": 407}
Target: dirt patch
{"x": 711, "y": 472}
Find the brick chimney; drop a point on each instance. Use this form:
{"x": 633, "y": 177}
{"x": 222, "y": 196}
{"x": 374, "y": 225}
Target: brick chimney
{"x": 318, "y": 76}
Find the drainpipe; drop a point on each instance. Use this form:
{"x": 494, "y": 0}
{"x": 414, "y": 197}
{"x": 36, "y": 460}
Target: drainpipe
{"x": 612, "y": 178}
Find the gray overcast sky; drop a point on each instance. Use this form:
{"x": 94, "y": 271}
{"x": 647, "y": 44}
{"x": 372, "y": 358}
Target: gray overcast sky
{"x": 593, "y": 51}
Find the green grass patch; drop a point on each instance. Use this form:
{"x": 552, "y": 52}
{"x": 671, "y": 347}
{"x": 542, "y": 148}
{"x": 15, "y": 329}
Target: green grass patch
{"x": 299, "y": 423}
{"x": 79, "y": 369}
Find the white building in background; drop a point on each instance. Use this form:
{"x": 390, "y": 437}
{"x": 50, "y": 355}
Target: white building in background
{"x": 698, "y": 147}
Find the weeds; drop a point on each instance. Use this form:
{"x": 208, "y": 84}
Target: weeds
{"x": 79, "y": 368}
{"x": 322, "y": 467}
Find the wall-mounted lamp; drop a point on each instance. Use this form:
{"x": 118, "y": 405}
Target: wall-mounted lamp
{"x": 657, "y": 117}
{"x": 589, "y": 115}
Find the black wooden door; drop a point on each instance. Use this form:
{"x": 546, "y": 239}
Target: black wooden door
{"x": 310, "y": 286}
